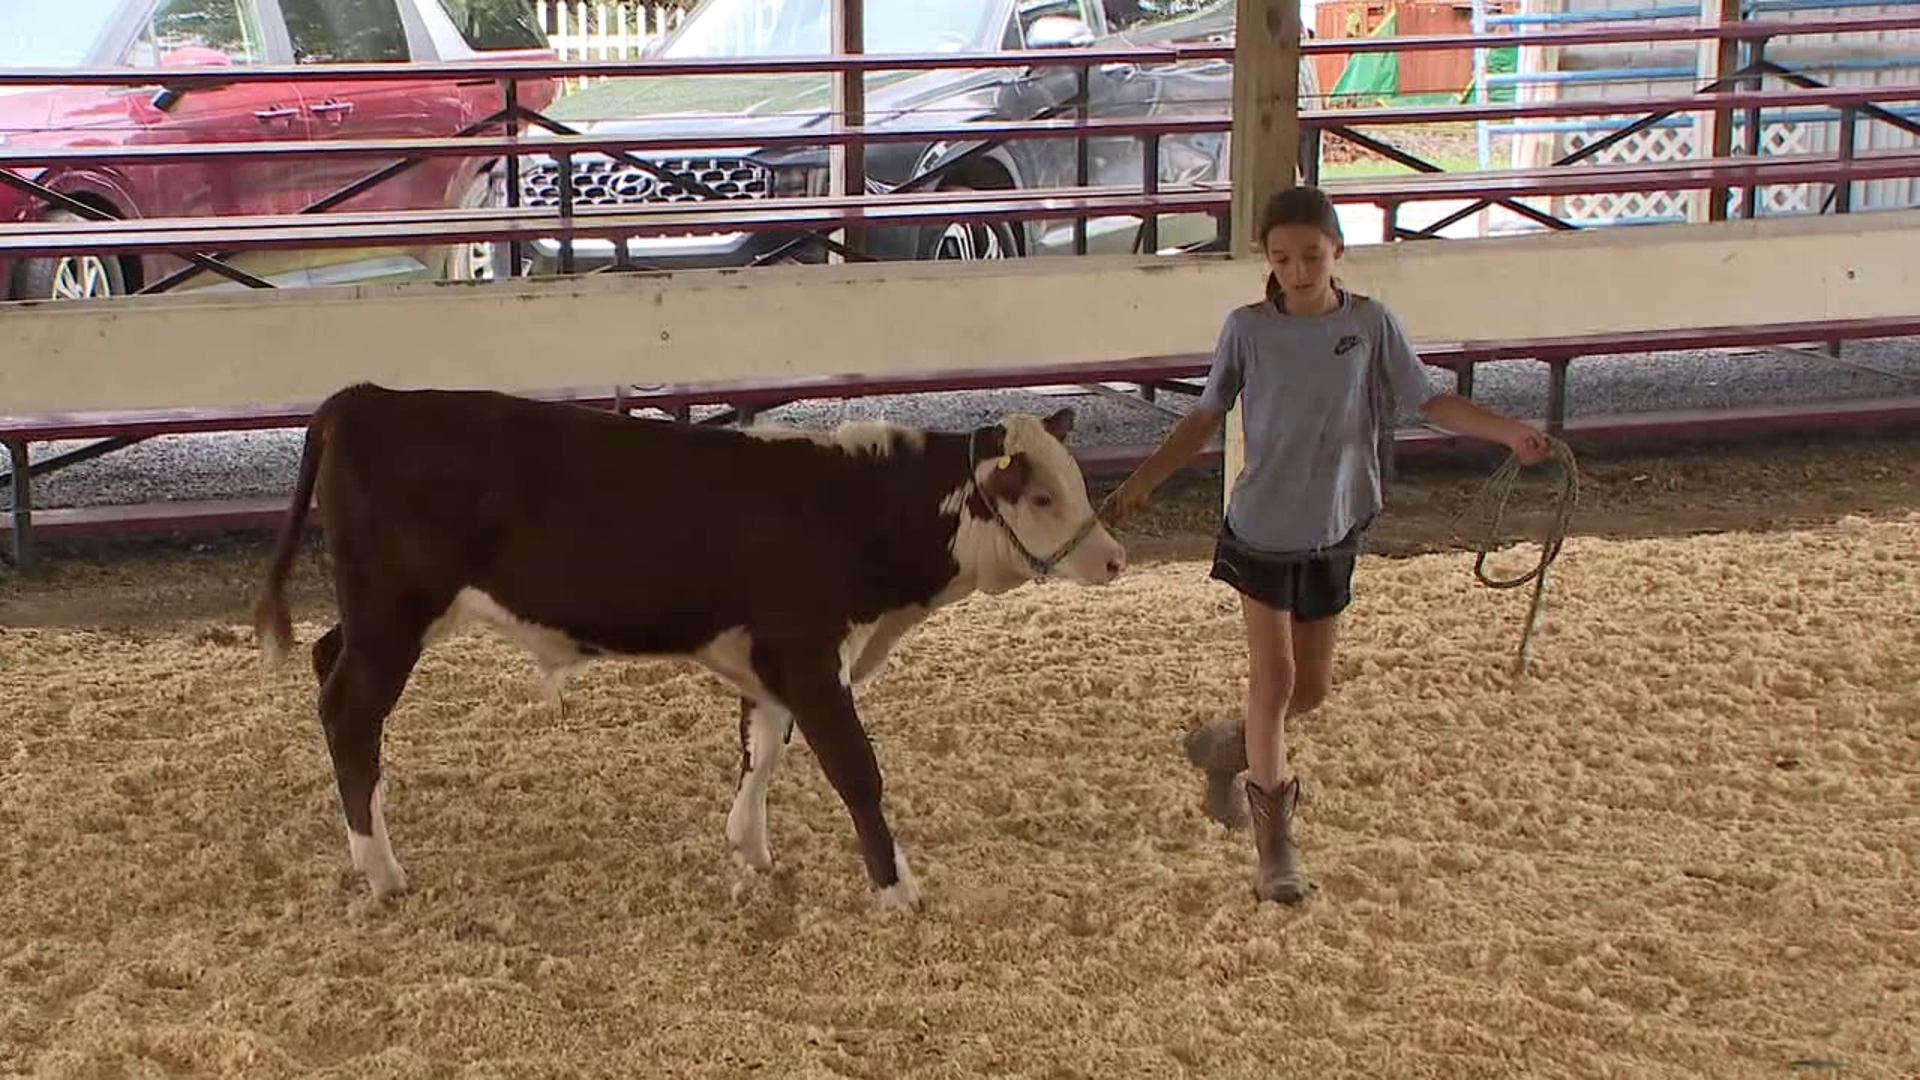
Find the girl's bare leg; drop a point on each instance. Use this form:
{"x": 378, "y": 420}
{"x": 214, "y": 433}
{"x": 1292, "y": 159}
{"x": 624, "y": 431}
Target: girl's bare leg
{"x": 1312, "y": 664}
{"x": 1220, "y": 748}
{"x": 1270, "y": 682}
{"x": 1271, "y": 795}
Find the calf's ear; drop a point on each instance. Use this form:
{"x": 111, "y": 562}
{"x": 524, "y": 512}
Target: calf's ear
{"x": 1007, "y": 477}
{"x": 1060, "y": 424}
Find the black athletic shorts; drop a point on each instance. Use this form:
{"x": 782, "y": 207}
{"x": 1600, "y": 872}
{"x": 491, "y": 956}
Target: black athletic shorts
{"x": 1312, "y": 586}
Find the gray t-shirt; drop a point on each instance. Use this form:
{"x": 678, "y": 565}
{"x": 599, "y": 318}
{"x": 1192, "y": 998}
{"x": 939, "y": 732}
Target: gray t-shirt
{"x": 1306, "y": 386}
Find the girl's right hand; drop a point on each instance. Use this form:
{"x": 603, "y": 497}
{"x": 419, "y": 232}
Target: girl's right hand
{"x": 1126, "y": 501}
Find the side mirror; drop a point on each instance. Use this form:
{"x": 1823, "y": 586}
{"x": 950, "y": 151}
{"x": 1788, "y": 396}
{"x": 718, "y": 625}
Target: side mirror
{"x": 1059, "y": 32}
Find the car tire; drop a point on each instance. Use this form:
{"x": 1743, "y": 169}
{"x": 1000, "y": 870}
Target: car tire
{"x": 69, "y": 277}
{"x": 481, "y": 260}
{"x": 967, "y": 241}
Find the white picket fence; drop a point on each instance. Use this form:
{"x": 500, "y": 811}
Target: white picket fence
{"x": 597, "y": 30}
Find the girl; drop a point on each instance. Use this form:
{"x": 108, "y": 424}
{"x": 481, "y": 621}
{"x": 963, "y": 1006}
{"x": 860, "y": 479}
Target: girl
{"x": 1320, "y": 374}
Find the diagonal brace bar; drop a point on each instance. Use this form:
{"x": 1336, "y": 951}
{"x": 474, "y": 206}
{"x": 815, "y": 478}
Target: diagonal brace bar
{"x": 1807, "y": 82}
{"x": 98, "y": 448}
{"x": 1594, "y": 148}
{"x": 365, "y": 183}
{"x": 94, "y": 213}
{"x": 1417, "y": 164}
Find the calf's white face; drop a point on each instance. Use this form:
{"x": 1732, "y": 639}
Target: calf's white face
{"x": 1041, "y": 495}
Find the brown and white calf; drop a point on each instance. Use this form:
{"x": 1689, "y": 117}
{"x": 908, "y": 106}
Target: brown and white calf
{"x": 787, "y": 562}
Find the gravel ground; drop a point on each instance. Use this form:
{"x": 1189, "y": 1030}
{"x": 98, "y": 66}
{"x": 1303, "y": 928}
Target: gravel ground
{"x": 191, "y": 467}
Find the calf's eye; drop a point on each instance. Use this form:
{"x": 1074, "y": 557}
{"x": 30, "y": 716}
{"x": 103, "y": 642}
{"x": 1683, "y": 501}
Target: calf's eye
{"x": 1042, "y": 499}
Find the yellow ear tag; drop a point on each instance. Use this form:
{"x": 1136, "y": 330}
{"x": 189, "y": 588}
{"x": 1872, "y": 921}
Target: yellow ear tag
{"x": 1005, "y": 460}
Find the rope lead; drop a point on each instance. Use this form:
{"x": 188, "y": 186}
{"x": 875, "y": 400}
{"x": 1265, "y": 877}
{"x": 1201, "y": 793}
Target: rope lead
{"x": 1499, "y": 486}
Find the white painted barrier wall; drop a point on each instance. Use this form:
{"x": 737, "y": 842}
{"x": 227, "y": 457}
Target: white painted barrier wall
{"x": 244, "y": 348}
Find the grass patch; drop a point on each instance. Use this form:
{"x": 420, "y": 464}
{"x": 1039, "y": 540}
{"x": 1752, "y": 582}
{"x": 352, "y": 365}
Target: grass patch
{"x": 1382, "y": 167}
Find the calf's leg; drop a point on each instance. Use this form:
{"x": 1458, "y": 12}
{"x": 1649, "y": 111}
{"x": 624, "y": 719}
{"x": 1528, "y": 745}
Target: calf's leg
{"x": 809, "y": 681}
{"x": 359, "y": 692}
{"x": 326, "y": 653}
{"x": 764, "y": 730}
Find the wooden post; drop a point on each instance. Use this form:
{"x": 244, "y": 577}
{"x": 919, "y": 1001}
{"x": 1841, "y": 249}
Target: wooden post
{"x": 1265, "y": 148}
{"x": 1713, "y": 129}
{"x": 847, "y": 165}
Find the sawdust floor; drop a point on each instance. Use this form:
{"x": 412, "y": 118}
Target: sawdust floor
{"x": 1686, "y": 847}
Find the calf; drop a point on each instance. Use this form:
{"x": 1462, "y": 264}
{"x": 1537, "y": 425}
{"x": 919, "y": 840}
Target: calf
{"x": 787, "y": 562}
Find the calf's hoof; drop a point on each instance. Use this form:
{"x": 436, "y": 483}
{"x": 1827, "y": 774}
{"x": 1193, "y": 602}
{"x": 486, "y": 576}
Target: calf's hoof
{"x": 388, "y": 879}
{"x": 374, "y": 859}
{"x": 904, "y": 893}
{"x": 747, "y": 836}
{"x": 391, "y": 885}
{"x": 904, "y": 896}
{"x": 754, "y": 859}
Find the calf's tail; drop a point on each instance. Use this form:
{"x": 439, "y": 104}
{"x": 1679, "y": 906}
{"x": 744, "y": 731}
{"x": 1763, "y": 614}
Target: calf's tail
{"x": 272, "y": 622}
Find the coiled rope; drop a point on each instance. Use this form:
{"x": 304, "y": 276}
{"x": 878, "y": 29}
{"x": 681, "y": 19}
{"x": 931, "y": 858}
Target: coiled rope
{"x": 1497, "y": 492}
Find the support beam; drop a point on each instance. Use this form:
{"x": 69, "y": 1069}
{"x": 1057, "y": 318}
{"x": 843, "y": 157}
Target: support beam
{"x": 21, "y": 477}
{"x": 1265, "y": 146}
{"x": 847, "y": 169}
{"x": 1265, "y": 150}
{"x": 1713, "y": 129}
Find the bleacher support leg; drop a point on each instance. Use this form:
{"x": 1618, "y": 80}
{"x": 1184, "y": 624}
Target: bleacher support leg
{"x": 1557, "y": 394}
{"x": 22, "y": 507}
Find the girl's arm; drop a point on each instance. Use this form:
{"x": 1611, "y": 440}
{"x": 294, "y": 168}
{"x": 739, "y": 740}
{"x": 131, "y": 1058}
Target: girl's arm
{"x": 1457, "y": 414}
{"x": 1407, "y": 377}
{"x": 1191, "y": 433}
{"x": 1188, "y": 437}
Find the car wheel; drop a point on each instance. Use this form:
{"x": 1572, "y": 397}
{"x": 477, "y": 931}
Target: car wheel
{"x": 474, "y": 261}
{"x": 968, "y": 241}
{"x": 70, "y": 277}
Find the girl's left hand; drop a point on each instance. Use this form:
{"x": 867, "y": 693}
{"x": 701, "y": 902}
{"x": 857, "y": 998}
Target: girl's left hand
{"x": 1529, "y": 444}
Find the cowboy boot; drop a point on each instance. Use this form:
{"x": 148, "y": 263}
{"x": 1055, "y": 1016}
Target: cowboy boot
{"x": 1279, "y": 877}
{"x": 1220, "y": 749}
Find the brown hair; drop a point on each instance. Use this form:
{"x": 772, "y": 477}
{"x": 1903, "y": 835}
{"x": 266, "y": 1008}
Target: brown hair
{"x": 1297, "y": 206}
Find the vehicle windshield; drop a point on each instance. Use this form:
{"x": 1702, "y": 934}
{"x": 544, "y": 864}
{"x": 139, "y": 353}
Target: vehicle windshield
{"x": 51, "y": 33}
{"x": 803, "y": 28}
